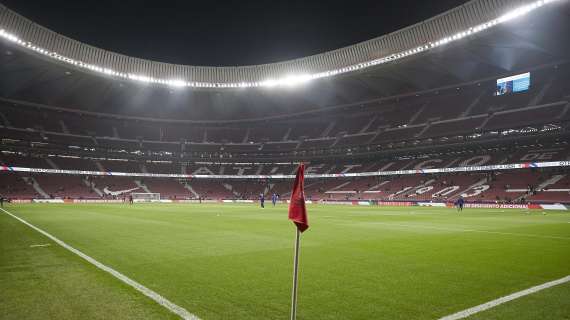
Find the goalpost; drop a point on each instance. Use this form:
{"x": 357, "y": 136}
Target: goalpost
{"x": 145, "y": 197}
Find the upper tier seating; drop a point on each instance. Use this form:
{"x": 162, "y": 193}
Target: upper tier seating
{"x": 392, "y": 121}
{"x": 88, "y": 125}
{"x": 269, "y": 132}
{"x": 162, "y": 167}
{"x": 355, "y": 140}
{"x": 444, "y": 106}
{"x": 178, "y": 132}
{"x": 121, "y": 166}
{"x": 22, "y": 117}
{"x": 398, "y": 134}
{"x": 235, "y": 135}
{"x": 20, "y": 134}
{"x": 321, "y": 143}
{"x": 350, "y": 125}
{"x": 22, "y": 161}
{"x": 72, "y": 140}
{"x": 454, "y": 127}
{"x": 307, "y": 129}
{"x": 525, "y": 117}
{"x": 139, "y": 130}
{"x": 74, "y": 164}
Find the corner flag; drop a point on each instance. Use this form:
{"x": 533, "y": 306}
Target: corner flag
{"x": 297, "y": 210}
{"x": 297, "y": 214}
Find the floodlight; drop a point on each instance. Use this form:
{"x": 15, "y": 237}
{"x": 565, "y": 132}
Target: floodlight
{"x": 289, "y": 80}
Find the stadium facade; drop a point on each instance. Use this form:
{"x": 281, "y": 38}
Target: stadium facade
{"x": 473, "y": 102}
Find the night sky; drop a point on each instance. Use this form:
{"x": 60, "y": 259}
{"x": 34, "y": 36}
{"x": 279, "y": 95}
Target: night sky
{"x": 217, "y": 33}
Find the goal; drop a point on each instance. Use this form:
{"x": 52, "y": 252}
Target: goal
{"x": 145, "y": 197}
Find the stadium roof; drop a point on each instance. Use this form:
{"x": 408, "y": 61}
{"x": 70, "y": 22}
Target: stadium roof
{"x": 462, "y": 22}
{"x": 518, "y": 46}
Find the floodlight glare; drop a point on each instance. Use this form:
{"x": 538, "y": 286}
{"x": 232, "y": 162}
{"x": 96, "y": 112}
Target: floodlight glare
{"x": 289, "y": 80}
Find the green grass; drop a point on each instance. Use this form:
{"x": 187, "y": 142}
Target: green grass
{"x": 234, "y": 262}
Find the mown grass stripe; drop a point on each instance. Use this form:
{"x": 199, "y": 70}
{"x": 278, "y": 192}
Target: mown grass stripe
{"x": 180, "y": 311}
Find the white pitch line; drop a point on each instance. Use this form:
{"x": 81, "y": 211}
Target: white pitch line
{"x": 491, "y": 304}
{"x": 40, "y": 245}
{"x": 183, "y": 313}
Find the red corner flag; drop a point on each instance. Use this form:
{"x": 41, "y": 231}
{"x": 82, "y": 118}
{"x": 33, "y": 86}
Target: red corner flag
{"x": 297, "y": 210}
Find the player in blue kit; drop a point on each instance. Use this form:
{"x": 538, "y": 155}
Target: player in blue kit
{"x": 460, "y": 203}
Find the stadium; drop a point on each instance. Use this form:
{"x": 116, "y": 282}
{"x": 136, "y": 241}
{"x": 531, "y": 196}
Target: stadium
{"x": 133, "y": 188}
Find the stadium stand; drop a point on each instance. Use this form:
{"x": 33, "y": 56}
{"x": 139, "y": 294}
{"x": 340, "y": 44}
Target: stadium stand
{"x": 217, "y": 135}
{"x": 455, "y": 127}
{"x": 446, "y": 122}
{"x": 354, "y": 140}
{"x": 319, "y": 143}
{"x": 265, "y": 133}
{"x": 74, "y": 163}
{"x": 425, "y": 116}
{"x": 213, "y": 189}
{"x": 161, "y": 167}
{"x": 398, "y": 134}
{"x": 538, "y": 185}
{"x": 526, "y": 116}
{"x": 168, "y": 188}
{"x": 14, "y": 186}
{"x": 105, "y": 186}
{"x": 65, "y": 186}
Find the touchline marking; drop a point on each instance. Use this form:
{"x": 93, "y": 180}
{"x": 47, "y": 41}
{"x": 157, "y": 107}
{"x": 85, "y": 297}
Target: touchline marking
{"x": 491, "y": 304}
{"x": 183, "y": 313}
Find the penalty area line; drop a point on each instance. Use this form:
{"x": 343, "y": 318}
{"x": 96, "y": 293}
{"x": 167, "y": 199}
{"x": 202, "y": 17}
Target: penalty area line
{"x": 491, "y": 304}
{"x": 183, "y": 313}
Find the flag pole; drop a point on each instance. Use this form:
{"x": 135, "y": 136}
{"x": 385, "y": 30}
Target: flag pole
{"x": 295, "y": 276}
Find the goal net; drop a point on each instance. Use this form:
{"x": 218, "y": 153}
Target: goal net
{"x": 145, "y": 197}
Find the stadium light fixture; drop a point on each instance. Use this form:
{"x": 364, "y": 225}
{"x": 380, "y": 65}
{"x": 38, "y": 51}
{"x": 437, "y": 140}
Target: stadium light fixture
{"x": 290, "y": 80}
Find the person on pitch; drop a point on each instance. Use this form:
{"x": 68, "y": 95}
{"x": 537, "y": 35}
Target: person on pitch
{"x": 460, "y": 203}
{"x": 274, "y": 198}
{"x": 262, "y": 200}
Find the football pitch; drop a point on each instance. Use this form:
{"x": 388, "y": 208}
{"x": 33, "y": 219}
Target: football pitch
{"x": 235, "y": 262}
